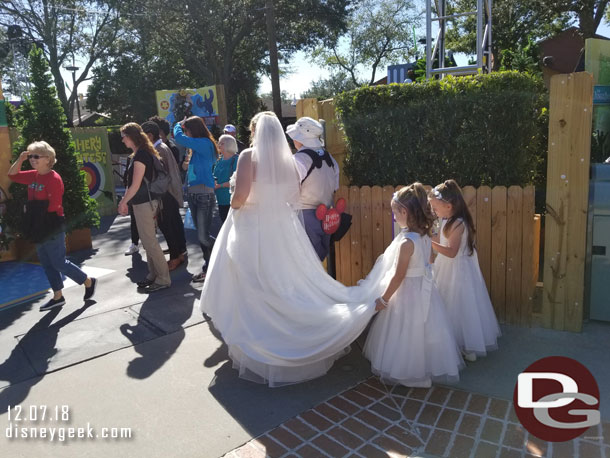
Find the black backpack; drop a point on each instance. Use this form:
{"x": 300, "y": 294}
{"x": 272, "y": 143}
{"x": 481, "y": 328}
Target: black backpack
{"x": 317, "y": 161}
{"x": 160, "y": 181}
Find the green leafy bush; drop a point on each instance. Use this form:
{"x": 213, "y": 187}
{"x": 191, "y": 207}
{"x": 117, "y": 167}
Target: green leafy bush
{"x": 479, "y": 130}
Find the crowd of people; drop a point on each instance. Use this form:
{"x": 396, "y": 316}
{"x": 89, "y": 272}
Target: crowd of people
{"x": 283, "y": 318}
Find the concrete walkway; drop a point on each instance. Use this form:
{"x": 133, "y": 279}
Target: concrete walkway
{"x": 155, "y": 365}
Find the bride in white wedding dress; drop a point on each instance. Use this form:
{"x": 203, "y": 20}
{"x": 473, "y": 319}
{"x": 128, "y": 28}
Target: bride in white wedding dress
{"x": 283, "y": 318}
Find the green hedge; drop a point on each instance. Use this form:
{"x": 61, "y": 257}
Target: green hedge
{"x": 479, "y": 130}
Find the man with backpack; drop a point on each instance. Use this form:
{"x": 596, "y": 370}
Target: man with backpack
{"x": 319, "y": 175}
{"x": 169, "y": 219}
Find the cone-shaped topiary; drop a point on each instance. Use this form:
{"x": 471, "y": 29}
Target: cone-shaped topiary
{"x": 42, "y": 118}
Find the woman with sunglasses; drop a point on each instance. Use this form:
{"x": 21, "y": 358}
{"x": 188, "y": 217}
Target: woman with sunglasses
{"x": 45, "y": 184}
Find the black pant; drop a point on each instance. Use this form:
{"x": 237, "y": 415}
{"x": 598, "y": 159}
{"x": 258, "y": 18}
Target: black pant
{"x": 135, "y": 236}
{"x": 223, "y": 211}
{"x": 170, "y": 223}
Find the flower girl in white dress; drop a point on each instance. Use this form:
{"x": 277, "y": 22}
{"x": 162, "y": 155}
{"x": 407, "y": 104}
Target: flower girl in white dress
{"x": 411, "y": 341}
{"x": 458, "y": 275}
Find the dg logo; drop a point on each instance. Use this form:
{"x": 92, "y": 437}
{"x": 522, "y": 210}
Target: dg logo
{"x": 557, "y": 399}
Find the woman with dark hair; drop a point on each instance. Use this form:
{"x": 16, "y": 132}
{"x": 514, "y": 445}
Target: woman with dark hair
{"x": 192, "y": 133}
{"x": 144, "y": 205}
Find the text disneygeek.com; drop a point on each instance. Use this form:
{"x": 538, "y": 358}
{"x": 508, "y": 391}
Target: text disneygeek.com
{"x": 26, "y": 423}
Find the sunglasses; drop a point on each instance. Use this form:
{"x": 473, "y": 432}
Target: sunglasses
{"x": 35, "y": 156}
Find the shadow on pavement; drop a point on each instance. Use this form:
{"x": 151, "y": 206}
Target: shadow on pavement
{"x": 17, "y": 392}
{"x": 162, "y": 315}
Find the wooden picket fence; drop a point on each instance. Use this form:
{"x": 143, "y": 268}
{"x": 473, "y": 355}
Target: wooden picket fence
{"x": 507, "y": 240}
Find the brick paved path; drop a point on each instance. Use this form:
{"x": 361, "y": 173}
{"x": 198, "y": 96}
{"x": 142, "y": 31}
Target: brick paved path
{"x": 372, "y": 420}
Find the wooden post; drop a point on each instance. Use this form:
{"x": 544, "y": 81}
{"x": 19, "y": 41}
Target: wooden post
{"x": 571, "y": 107}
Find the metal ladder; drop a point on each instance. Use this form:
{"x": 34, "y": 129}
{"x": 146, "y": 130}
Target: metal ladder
{"x": 484, "y": 56}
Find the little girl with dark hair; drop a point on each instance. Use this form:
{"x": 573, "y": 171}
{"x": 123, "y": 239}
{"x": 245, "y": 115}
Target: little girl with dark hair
{"x": 458, "y": 275}
{"x": 411, "y": 341}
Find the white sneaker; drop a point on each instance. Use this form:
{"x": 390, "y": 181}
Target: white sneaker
{"x": 133, "y": 248}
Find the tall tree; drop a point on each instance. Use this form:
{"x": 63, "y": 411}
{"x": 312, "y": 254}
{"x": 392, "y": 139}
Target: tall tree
{"x": 78, "y": 32}
{"x": 377, "y": 33}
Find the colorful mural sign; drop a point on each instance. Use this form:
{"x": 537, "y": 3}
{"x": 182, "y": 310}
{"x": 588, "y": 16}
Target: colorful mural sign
{"x": 175, "y": 105}
{"x": 94, "y": 152}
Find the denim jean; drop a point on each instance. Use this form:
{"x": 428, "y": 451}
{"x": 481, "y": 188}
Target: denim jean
{"x": 203, "y": 207}
{"x": 319, "y": 239}
{"x": 52, "y": 256}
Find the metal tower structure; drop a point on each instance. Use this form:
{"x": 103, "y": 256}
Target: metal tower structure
{"x": 439, "y": 14}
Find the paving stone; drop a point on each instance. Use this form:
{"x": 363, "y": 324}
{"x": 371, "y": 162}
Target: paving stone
{"x": 469, "y": 424}
{"x": 393, "y": 402}
{"x": 330, "y": 412}
{"x": 300, "y": 428}
{"x": 477, "y": 404}
{"x": 411, "y": 408}
{"x": 329, "y": 446}
{"x": 372, "y": 420}
{"x": 419, "y": 393}
{"x": 391, "y": 446}
{"x": 462, "y": 447}
{"x": 564, "y": 449}
{"x": 406, "y": 436}
{"x": 343, "y": 405}
{"x": 437, "y": 443}
{"x": 448, "y": 419}
{"x": 514, "y": 436}
{"x": 485, "y": 450}
{"x": 307, "y": 451}
{"x": 589, "y": 450}
{"x": 492, "y": 431}
{"x": 429, "y": 415}
{"x": 345, "y": 438}
{"x": 536, "y": 447}
{"x": 271, "y": 447}
{"x": 249, "y": 451}
{"x": 286, "y": 438}
{"x": 359, "y": 428}
{"x": 512, "y": 416}
{"x": 457, "y": 400}
{"x": 376, "y": 383}
{"x": 385, "y": 412}
{"x": 50, "y": 349}
{"x": 315, "y": 420}
{"x": 370, "y": 451}
{"x": 401, "y": 390}
{"x": 510, "y": 453}
{"x": 498, "y": 408}
{"x": 371, "y": 392}
{"x": 357, "y": 398}
{"x": 439, "y": 395}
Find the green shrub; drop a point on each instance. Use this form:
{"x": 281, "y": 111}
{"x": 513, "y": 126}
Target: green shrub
{"x": 479, "y": 130}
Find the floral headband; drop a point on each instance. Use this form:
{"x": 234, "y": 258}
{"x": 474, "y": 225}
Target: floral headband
{"x": 437, "y": 194}
{"x": 395, "y": 199}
